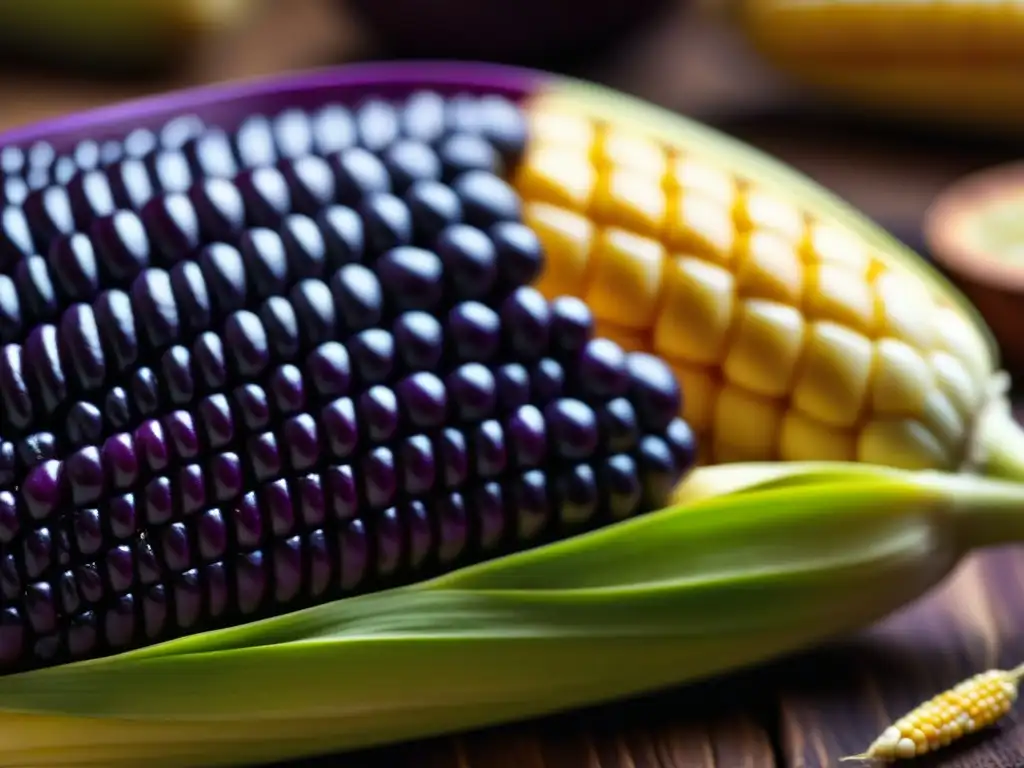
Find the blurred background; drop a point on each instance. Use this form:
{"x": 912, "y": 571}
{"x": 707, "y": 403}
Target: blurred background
{"x": 688, "y": 55}
{"x": 887, "y": 103}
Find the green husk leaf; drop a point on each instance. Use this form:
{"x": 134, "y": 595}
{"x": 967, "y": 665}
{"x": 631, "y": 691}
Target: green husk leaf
{"x": 728, "y": 578}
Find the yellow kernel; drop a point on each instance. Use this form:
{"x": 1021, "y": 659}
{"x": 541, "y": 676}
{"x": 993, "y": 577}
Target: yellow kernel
{"x": 697, "y": 226}
{"x": 826, "y": 244}
{"x": 625, "y": 278}
{"x": 688, "y": 175}
{"x": 766, "y": 347}
{"x": 623, "y": 149}
{"x": 567, "y": 238}
{"x": 757, "y": 209}
{"x": 697, "y": 311}
{"x": 902, "y": 378}
{"x": 769, "y": 268}
{"x": 746, "y": 426}
{"x": 833, "y": 381}
{"x": 902, "y": 443}
{"x": 630, "y": 200}
{"x": 841, "y": 295}
{"x": 904, "y": 309}
{"x": 806, "y": 439}
{"x": 547, "y": 124}
{"x": 556, "y": 175}
{"x": 701, "y": 387}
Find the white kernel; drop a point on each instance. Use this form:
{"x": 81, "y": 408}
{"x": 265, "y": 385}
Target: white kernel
{"x": 892, "y": 733}
{"x": 906, "y": 749}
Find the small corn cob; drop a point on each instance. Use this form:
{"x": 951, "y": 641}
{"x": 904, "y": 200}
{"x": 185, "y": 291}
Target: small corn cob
{"x": 793, "y": 337}
{"x": 900, "y": 56}
{"x": 288, "y": 363}
{"x": 972, "y": 705}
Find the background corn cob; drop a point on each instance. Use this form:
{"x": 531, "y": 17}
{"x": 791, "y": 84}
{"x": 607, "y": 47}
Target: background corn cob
{"x": 902, "y": 57}
{"x": 794, "y": 336}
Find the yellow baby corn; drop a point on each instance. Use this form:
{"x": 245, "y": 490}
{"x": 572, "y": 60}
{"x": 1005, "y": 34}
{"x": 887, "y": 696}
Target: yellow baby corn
{"x": 793, "y": 337}
{"x": 974, "y": 704}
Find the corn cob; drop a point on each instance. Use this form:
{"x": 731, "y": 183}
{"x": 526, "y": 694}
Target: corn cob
{"x": 308, "y": 381}
{"x": 900, "y": 57}
{"x": 749, "y": 560}
{"x": 969, "y": 707}
{"x": 793, "y": 337}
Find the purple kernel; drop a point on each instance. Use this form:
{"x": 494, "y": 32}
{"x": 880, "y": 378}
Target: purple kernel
{"x": 354, "y": 554}
{"x": 211, "y": 535}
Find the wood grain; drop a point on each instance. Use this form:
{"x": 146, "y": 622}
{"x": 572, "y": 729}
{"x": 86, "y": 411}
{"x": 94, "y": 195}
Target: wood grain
{"x": 719, "y": 725}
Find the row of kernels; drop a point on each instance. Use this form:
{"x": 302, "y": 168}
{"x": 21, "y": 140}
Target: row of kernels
{"x": 704, "y": 308}
{"x": 624, "y": 277}
{"x": 747, "y": 427}
{"x": 771, "y": 265}
{"x": 632, "y": 180}
{"x": 823, "y": 406}
{"x": 687, "y": 220}
{"x": 824, "y": 276}
{"x": 572, "y": 157}
{"x": 830, "y": 371}
{"x": 604, "y": 148}
{"x": 737, "y": 424}
{"x": 624, "y": 264}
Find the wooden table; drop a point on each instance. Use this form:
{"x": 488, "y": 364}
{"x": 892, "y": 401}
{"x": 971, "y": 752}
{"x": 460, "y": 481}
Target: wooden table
{"x": 798, "y": 713}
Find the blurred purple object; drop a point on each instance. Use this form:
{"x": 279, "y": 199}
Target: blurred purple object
{"x": 525, "y": 32}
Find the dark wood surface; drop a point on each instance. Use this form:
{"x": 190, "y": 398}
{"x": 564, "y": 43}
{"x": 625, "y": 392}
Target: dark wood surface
{"x": 803, "y": 712}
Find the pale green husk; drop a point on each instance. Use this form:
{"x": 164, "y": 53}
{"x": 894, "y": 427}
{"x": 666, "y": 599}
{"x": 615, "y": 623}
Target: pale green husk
{"x": 754, "y": 561}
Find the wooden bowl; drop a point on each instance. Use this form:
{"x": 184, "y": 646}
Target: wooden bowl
{"x": 975, "y": 232}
